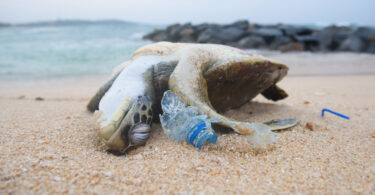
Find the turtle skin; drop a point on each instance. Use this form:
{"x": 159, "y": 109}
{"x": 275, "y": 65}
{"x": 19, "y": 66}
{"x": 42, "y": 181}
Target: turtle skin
{"x": 213, "y": 78}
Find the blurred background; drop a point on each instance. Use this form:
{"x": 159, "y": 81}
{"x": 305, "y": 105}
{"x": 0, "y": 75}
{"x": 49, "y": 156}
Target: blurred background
{"x": 58, "y": 39}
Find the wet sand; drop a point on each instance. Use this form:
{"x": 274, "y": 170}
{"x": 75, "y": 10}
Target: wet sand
{"x": 52, "y": 146}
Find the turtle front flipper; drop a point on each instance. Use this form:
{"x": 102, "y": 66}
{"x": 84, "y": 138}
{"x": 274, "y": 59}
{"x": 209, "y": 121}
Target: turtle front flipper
{"x": 94, "y": 101}
{"x": 125, "y": 111}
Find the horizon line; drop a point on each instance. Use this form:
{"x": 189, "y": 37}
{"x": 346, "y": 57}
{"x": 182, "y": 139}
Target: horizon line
{"x": 46, "y": 22}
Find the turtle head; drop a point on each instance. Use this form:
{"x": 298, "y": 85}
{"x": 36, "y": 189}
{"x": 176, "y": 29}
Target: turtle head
{"x": 276, "y": 71}
{"x": 129, "y": 126}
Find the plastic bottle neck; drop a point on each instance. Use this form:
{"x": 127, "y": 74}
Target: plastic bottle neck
{"x": 199, "y": 134}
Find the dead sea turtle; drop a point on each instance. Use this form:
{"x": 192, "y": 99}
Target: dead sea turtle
{"x": 208, "y": 76}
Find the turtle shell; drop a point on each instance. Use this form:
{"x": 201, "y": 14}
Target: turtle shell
{"x": 230, "y": 85}
{"x": 233, "y": 84}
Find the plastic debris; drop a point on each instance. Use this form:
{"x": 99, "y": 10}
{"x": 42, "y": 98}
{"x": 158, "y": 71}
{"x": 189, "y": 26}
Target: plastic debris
{"x": 335, "y": 113}
{"x": 183, "y": 123}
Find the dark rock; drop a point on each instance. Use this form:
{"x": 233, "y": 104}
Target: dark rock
{"x": 230, "y": 34}
{"x": 310, "y": 42}
{"x": 288, "y": 30}
{"x": 325, "y": 38}
{"x": 252, "y": 27}
{"x": 221, "y": 35}
{"x": 304, "y": 31}
{"x": 202, "y": 27}
{"x": 187, "y": 35}
{"x": 307, "y": 38}
{"x": 341, "y": 34}
{"x": 294, "y": 31}
{"x": 162, "y": 36}
{"x": 186, "y": 39}
{"x": 280, "y": 41}
{"x": 366, "y": 33}
{"x": 352, "y": 43}
{"x": 157, "y": 35}
{"x": 281, "y": 37}
{"x": 330, "y": 38}
{"x": 371, "y": 47}
{"x": 242, "y": 24}
{"x": 291, "y": 47}
{"x": 252, "y": 42}
{"x": 186, "y": 31}
{"x": 208, "y": 36}
{"x": 173, "y": 31}
{"x": 267, "y": 32}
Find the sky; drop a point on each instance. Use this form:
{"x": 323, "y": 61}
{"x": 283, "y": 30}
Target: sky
{"x": 322, "y": 12}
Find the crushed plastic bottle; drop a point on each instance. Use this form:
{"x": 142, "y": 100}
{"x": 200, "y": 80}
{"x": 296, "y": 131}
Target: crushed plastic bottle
{"x": 183, "y": 123}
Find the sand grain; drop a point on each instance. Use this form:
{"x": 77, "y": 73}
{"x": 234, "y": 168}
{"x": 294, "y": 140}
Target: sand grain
{"x": 51, "y": 146}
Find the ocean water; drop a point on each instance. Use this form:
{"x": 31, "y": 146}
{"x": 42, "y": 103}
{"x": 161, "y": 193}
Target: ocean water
{"x": 67, "y": 51}
{"x": 61, "y": 51}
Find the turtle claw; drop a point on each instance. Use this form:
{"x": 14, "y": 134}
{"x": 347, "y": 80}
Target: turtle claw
{"x": 139, "y": 134}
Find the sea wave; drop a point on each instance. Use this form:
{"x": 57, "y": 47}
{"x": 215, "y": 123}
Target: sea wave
{"x": 64, "y": 51}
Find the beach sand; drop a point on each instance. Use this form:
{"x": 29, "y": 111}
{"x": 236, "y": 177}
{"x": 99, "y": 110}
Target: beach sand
{"x": 52, "y": 146}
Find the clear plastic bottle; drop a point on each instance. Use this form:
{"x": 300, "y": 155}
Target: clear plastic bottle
{"x": 183, "y": 123}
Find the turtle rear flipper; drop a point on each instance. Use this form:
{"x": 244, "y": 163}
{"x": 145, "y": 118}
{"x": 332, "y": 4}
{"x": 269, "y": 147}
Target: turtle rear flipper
{"x": 232, "y": 84}
{"x": 274, "y": 93}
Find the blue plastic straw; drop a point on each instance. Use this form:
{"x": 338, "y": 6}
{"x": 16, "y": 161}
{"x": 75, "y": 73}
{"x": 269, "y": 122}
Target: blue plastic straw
{"x": 335, "y": 113}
